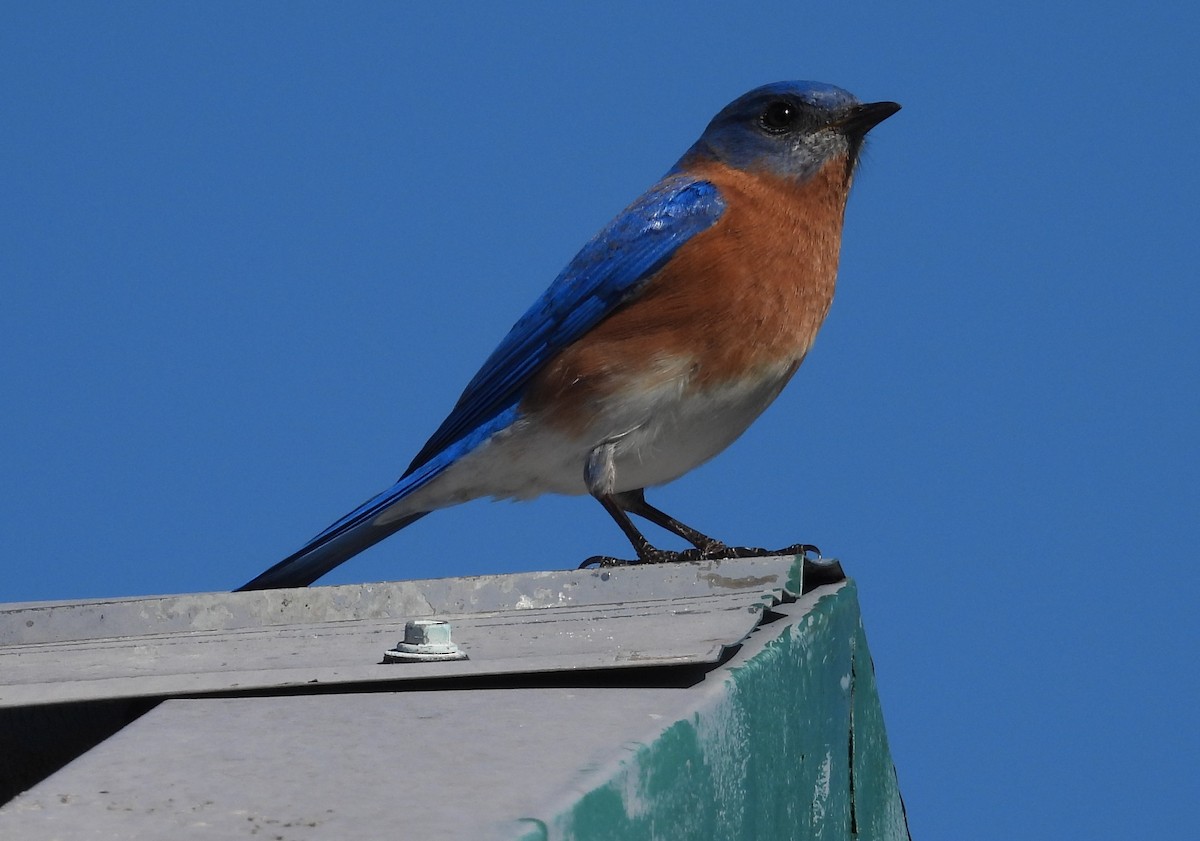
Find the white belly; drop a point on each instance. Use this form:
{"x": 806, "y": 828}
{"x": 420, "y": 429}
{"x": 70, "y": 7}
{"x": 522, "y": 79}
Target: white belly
{"x": 660, "y": 433}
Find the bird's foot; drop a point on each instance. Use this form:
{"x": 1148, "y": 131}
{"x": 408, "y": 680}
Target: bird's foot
{"x": 603, "y": 562}
{"x": 649, "y": 556}
{"x": 716, "y": 551}
{"x": 722, "y": 552}
{"x": 804, "y": 550}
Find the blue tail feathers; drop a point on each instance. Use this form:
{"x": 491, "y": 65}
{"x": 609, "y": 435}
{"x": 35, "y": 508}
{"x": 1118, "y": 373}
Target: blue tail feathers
{"x": 325, "y": 552}
{"x": 360, "y": 529}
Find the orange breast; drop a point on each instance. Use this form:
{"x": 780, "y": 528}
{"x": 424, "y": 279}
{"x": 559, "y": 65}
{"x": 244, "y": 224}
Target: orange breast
{"x": 745, "y": 296}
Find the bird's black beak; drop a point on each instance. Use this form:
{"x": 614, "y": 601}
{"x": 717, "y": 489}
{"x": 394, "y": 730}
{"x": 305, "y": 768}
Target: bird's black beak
{"x": 860, "y": 119}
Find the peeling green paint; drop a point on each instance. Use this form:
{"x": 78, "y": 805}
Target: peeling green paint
{"x": 879, "y": 809}
{"x": 790, "y": 745}
{"x": 795, "y": 577}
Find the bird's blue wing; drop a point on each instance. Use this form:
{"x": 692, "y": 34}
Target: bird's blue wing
{"x": 606, "y": 273}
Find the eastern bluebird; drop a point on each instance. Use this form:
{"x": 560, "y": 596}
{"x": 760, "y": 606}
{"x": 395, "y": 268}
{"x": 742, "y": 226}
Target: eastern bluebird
{"x": 659, "y": 344}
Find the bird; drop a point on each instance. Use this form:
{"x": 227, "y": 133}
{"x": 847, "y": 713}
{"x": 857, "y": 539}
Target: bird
{"x": 658, "y": 345}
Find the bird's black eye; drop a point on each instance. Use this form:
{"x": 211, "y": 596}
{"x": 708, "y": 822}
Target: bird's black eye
{"x": 778, "y": 117}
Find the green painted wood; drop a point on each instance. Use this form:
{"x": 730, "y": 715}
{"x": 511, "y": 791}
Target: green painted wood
{"x": 789, "y": 744}
{"x": 879, "y": 809}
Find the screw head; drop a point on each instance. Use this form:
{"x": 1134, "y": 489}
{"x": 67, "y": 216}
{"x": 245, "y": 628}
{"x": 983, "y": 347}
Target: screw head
{"x": 425, "y": 640}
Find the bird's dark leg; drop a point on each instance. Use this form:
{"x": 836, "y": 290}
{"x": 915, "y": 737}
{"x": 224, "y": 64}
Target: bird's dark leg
{"x": 600, "y": 475}
{"x": 707, "y": 548}
{"x": 635, "y": 503}
{"x": 646, "y": 552}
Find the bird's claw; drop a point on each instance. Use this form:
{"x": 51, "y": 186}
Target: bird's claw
{"x": 804, "y": 550}
{"x": 604, "y": 562}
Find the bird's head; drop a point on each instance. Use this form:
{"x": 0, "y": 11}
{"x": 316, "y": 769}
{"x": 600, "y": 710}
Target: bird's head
{"x": 789, "y": 129}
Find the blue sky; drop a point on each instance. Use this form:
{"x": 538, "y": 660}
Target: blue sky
{"x": 252, "y": 252}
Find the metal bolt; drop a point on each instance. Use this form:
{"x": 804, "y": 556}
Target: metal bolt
{"x": 425, "y": 640}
